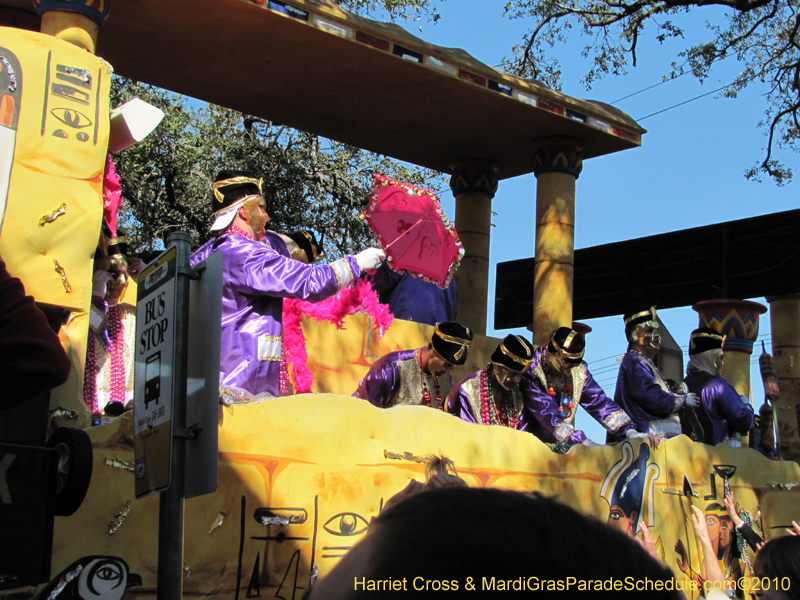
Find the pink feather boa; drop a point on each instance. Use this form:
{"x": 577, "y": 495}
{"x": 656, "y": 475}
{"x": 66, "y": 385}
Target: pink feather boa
{"x": 358, "y": 297}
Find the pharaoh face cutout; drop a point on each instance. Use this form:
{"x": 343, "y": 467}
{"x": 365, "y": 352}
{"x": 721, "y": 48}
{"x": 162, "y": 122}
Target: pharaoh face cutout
{"x": 647, "y": 335}
{"x": 255, "y": 214}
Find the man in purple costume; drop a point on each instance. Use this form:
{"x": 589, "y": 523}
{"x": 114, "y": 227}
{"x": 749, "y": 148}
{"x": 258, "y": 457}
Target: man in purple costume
{"x": 641, "y": 390}
{"x": 723, "y": 412}
{"x": 257, "y": 274}
{"x": 413, "y": 299}
{"x": 420, "y": 376}
{"x": 557, "y": 382}
{"x": 491, "y": 396}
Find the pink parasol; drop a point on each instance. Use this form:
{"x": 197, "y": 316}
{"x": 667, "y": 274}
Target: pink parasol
{"x": 413, "y": 231}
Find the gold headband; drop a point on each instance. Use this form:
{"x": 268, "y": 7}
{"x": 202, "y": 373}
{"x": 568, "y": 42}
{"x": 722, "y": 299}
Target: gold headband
{"x": 234, "y": 181}
{"x": 713, "y": 336}
{"x": 563, "y": 352}
{"x": 517, "y": 359}
{"x": 453, "y": 340}
{"x": 450, "y": 338}
{"x": 651, "y": 313}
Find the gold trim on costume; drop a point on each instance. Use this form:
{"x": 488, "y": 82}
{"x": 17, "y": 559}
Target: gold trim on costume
{"x": 338, "y": 279}
{"x": 651, "y": 312}
{"x": 234, "y": 181}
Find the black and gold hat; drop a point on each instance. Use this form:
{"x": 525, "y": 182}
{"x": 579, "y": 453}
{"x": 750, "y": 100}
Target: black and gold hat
{"x": 705, "y": 339}
{"x": 568, "y": 344}
{"x": 229, "y": 192}
{"x": 640, "y": 315}
{"x": 514, "y": 352}
{"x": 452, "y": 340}
{"x": 306, "y": 243}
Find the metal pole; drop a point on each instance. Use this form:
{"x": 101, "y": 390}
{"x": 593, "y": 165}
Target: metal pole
{"x": 170, "y": 513}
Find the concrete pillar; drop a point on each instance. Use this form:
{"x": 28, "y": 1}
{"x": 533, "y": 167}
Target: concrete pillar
{"x": 557, "y": 164}
{"x": 784, "y": 312}
{"x": 738, "y": 320}
{"x": 474, "y": 184}
{"x": 74, "y": 21}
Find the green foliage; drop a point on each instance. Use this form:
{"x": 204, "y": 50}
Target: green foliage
{"x": 309, "y": 182}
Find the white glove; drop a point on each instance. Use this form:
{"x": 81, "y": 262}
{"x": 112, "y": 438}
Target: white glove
{"x": 100, "y": 281}
{"x": 632, "y": 434}
{"x": 590, "y": 443}
{"x": 370, "y": 258}
{"x": 692, "y": 400}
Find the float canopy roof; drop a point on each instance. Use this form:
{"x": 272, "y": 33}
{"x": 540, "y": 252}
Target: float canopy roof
{"x": 313, "y": 66}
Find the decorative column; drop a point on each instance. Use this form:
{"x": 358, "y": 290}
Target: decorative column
{"x": 474, "y": 184}
{"x": 784, "y": 312}
{"x": 557, "y": 163}
{"x": 738, "y": 320}
{"x": 74, "y": 21}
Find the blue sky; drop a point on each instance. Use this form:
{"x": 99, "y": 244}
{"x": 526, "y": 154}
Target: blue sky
{"x": 688, "y": 172}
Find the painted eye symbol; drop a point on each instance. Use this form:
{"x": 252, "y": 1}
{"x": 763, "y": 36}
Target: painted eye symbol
{"x": 108, "y": 574}
{"x": 346, "y": 524}
{"x": 71, "y": 118}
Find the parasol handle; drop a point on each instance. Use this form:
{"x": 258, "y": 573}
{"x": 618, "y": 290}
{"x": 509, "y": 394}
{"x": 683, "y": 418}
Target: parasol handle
{"x": 405, "y": 232}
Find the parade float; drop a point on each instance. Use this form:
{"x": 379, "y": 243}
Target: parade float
{"x": 299, "y": 477}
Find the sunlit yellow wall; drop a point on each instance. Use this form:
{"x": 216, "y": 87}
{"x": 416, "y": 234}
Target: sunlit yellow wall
{"x": 59, "y": 156}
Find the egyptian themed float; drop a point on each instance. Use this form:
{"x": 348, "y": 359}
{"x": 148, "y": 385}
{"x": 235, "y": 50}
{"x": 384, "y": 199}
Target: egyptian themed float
{"x": 301, "y": 476}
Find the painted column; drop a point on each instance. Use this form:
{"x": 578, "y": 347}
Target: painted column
{"x": 784, "y": 312}
{"x": 74, "y": 21}
{"x": 474, "y": 184}
{"x": 738, "y": 320}
{"x": 557, "y": 163}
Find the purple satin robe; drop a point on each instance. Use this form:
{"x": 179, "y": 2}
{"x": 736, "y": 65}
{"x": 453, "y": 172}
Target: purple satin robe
{"x": 642, "y": 394}
{"x": 396, "y": 378}
{"x": 464, "y": 402}
{"x": 256, "y": 278}
{"x": 414, "y": 299}
{"x": 724, "y": 411}
{"x": 586, "y": 393}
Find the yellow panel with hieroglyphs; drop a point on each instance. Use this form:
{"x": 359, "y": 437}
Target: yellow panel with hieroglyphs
{"x": 59, "y": 153}
{"x": 327, "y": 464}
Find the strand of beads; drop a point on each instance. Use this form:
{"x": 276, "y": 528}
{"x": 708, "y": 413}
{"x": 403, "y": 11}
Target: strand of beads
{"x": 233, "y": 230}
{"x": 426, "y": 395}
{"x": 116, "y": 335}
{"x": 90, "y": 377}
{"x": 283, "y": 378}
{"x": 490, "y": 415}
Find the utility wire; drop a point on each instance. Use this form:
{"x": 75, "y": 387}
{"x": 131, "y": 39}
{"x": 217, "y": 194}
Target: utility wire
{"x": 649, "y": 87}
{"x": 692, "y": 99}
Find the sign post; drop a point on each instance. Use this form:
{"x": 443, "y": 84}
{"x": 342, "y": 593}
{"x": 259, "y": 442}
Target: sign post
{"x": 162, "y": 345}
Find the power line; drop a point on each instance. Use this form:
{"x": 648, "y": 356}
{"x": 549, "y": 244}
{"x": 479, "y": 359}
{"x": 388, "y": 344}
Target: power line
{"x": 664, "y": 81}
{"x": 692, "y": 99}
{"x": 650, "y": 87}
